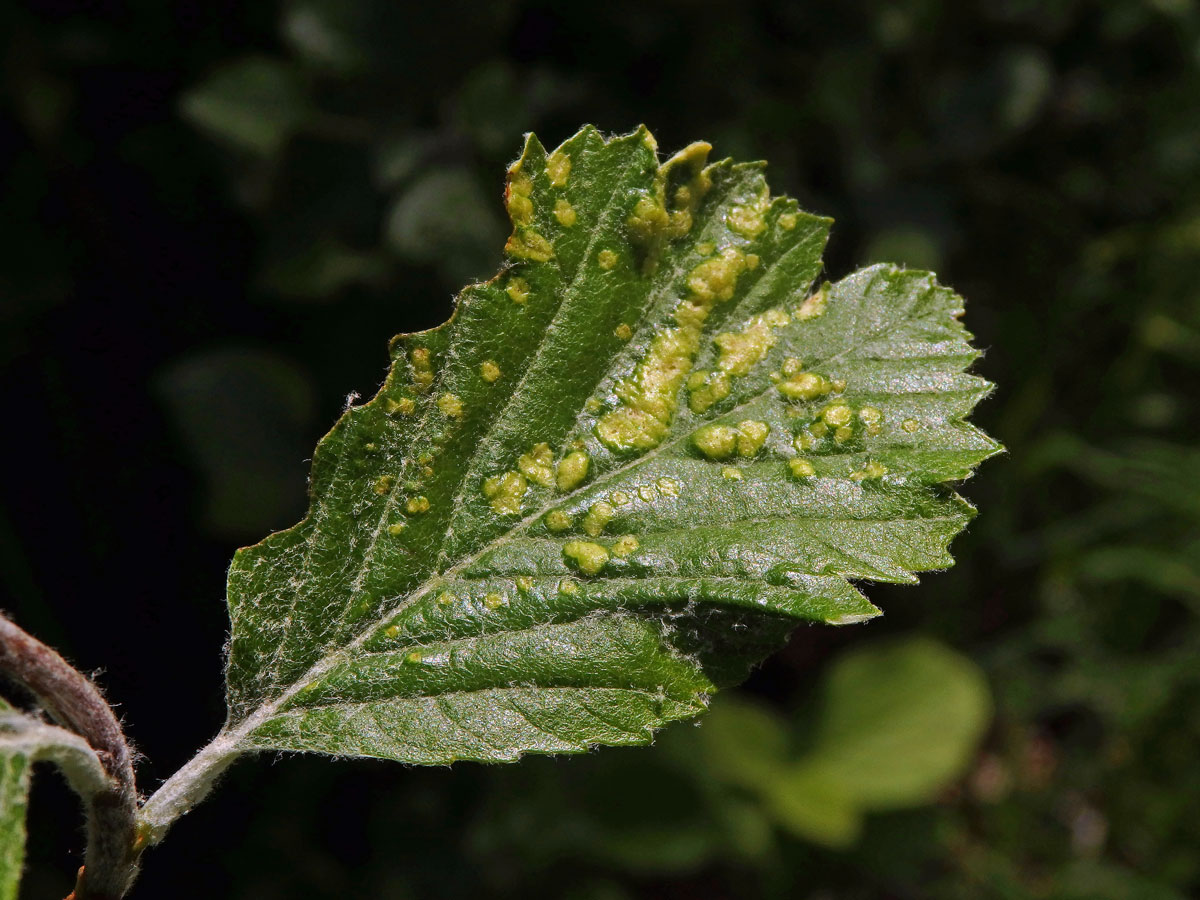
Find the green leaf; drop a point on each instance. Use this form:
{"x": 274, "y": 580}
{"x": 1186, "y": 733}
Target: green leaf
{"x": 444, "y": 216}
{"x": 897, "y": 724}
{"x": 615, "y": 479}
{"x": 25, "y": 740}
{"x": 254, "y": 104}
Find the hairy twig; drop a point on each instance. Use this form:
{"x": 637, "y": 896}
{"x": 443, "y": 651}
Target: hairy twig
{"x": 73, "y": 701}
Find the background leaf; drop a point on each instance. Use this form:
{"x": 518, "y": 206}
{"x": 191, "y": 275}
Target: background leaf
{"x": 897, "y": 724}
{"x": 254, "y": 104}
{"x": 749, "y": 776}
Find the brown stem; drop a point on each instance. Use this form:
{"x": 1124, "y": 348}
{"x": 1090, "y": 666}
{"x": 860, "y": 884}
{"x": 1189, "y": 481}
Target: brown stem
{"x": 73, "y": 701}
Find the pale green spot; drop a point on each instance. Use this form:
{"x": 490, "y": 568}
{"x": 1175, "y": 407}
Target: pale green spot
{"x": 910, "y": 425}
{"x": 564, "y": 212}
{"x": 524, "y": 583}
{"x": 597, "y": 517}
{"x": 731, "y": 473}
{"x": 489, "y": 371}
{"x": 445, "y": 598}
{"x": 751, "y": 437}
{"x": 451, "y": 405}
{"x": 558, "y": 168}
{"x": 716, "y": 279}
{"x": 572, "y": 470}
{"x": 566, "y": 586}
{"x": 606, "y": 259}
{"x": 749, "y": 220}
{"x": 838, "y": 415}
{"x": 801, "y": 468}
{"x": 395, "y": 529}
{"x": 416, "y": 505}
{"x": 505, "y": 492}
{"x": 384, "y": 484}
{"x": 715, "y": 441}
{"x": 814, "y": 306}
{"x": 422, "y": 369}
{"x": 706, "y": 388}
{"x": 804, "y": 386}
{"x": 414, "y": 656}
{"x": 871, "y": 470}
{"x": 648, "y": 396}
{"x": 668, "y": 487}
{"x": 741, "y": 350}
{"x": 655, "y": 220}
{"x": 787, "y": 221}
{"x": 525, "y": 243}
{"x": 517, "y": 290}
{"x": 871, "y": 417}
{"x": 493, "y": 601}
{"x": 537, "y": 465}
{"x": 590, "y": 558}
{"x": 623, "y": 331}
{"x": 517, "y": 197}
{"x": 625, "y": 545}
{"x": 404, "y": 406}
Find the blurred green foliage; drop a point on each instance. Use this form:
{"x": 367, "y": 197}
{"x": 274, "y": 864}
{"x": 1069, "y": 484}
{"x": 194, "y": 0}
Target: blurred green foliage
{"x": 1043, "y": 157}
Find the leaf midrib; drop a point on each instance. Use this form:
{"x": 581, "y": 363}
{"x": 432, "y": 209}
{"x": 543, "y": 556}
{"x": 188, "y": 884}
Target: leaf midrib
{"x": 516, "y": 688}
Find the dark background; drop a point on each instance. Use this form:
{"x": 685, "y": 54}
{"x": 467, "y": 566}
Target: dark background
{"x": 215, "y": 215}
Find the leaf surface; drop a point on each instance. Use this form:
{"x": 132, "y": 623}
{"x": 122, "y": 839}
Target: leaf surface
{"x": 617, "y": 477}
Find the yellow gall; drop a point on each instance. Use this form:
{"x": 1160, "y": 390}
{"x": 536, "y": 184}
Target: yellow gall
{"x": 590, "y": 558}
{"x": 572, "y": 470}
{"x": 451, "y": 405}
{"x": 517, "y": 290}
{"x": 801, "y": 468}
{"x": 558, "y": 168}
{"x": 625, "y": 545}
